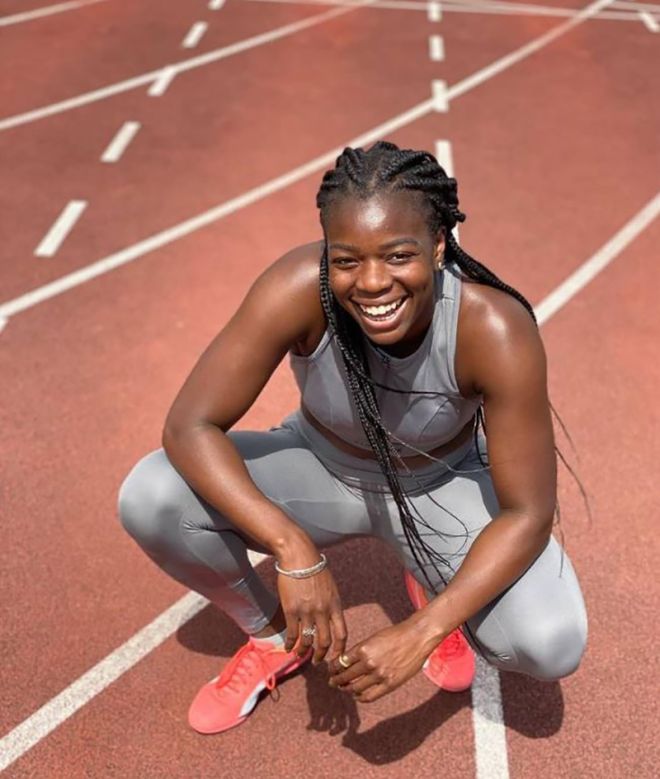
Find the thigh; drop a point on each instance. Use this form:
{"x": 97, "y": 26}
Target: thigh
{"x": 539, "y": 624}
{"x": 285, "y": 469}
{"x": 450, "y": 511}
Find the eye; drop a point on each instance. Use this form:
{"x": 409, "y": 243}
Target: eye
{"x": 343, "y": 262}
{"x": 399, "y": 258}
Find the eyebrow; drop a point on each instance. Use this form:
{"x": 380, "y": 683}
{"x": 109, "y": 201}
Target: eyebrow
{"x": 388, "y": 245}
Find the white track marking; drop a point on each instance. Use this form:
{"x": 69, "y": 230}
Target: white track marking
{"x": 190, "y": 64}
{"x": 3, "y": 324}
{"x": 444, "y": 157}
{"x": 24, "y": 736}
{"x": 603, "y": 257}
{"x": 49, "y": 10}
{"x": 194, "y": 35}
{"x": 118, "y": 144}
{"x": 486, "y": 7}
{"x": 439, "y": 90}
{"x": 650, "y": 22}
{"x": 62, "y": 227}
{"x": 490, "y": 752}
{"x": 216, "y": 5}
{"x": 162, "y": 82}
{"x": 434, "y": 12}
{"x": 58, "y": 709}
{"x": 525, "y": 51}
{"x": 436, "y": 48}
{"x": 165, "y": 237}
{"x": 488, "y": 720}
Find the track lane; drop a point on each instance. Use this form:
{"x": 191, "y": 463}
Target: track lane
{"x": 113, "y": 41}
{"x": 245, "y": 239}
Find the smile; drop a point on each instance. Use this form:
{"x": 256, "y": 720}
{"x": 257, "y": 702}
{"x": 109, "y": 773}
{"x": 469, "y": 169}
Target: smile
{"x": 382, "y": 313}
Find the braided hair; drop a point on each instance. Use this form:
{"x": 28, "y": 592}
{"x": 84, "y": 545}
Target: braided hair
{"x": 386, "y": 168}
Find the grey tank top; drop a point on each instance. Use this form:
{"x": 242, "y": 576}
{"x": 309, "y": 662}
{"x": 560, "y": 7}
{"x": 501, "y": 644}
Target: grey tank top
{"x": 424, "y": 421}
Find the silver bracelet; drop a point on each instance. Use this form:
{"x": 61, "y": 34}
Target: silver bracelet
{"x": 303, "y": 573}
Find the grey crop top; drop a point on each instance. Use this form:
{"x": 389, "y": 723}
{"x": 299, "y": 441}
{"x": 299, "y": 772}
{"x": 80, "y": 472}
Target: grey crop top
{"x": 425, "y": 421}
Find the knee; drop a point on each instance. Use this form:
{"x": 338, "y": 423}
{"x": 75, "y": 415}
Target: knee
{"x": 150, "y": 499}
{"x": 557, "y": 649}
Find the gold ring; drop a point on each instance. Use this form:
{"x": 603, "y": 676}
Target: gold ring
{"x": 344, "y": 662}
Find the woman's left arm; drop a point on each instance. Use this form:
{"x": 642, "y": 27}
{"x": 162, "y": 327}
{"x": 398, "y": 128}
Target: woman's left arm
{"x": 502, "y": 358}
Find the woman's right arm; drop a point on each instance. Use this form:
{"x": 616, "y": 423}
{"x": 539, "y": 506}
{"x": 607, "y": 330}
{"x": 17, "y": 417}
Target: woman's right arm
{"x": 276, "y": 314}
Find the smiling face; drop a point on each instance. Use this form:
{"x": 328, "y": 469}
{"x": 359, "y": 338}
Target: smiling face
{"x": 382, "y": 257}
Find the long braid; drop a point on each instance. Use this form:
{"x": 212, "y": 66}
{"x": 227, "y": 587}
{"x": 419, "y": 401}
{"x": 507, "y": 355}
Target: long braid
{"x": 362, "y": 174}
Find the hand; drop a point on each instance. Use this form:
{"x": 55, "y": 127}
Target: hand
{"x": 313, "y": 601}
{"x": 380, "y": 663}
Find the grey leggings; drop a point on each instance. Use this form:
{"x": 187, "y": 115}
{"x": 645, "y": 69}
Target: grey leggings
{"x": 538, "y": 626}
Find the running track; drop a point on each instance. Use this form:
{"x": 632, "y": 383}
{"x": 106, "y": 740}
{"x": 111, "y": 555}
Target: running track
{"x": 556, "y": 152}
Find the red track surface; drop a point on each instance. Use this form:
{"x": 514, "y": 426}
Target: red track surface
{"x": 553, "y": 156}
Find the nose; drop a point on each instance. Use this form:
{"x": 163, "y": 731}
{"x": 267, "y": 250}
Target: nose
{"x": 374, "y": 277}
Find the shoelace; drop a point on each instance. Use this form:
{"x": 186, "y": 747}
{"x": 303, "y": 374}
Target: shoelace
{"x": 236, "y": 672}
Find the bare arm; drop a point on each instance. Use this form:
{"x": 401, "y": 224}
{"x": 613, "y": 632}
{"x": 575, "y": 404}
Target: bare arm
{"x": 504, "y": 360}
{"x": 222, "y": 386}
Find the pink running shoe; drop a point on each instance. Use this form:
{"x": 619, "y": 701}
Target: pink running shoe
{"x": 451, "y": 665}
{"x": 228, "y": 699}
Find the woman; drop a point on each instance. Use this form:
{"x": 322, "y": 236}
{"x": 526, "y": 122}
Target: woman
{"x": 398, "y": 340}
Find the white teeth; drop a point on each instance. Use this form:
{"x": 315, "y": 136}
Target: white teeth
{"x": 380, "y": 310}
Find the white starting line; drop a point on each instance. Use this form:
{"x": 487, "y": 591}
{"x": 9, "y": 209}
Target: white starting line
{"x": 118, "y": 145}
{"x": 216, "y": 5}
{"x": 62, "y": 227}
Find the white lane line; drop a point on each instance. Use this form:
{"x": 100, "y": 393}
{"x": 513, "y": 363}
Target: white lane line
{"x": 488, "y": 720}
{"x": 162, "y": 82}
{"x": 650, "y": 22}
{"x": 486, "y": 7}
{"x": 49, "y": 10}
{"x": 165, "y": 237}
{"x": 190, "y": 64}
{"x": 434, "y": 12}
{"x": 118, "y": 144}
{"x": 490, "y": 752}
{"x": 603, "y": 257}
{"x": 62, "y": 706}
{"x": 58, "y": 709}
{"x": 194, "y": 35}
{"x": 3, "y": 324}
{"x": 525, "y": 51}
{"x": 61, "y": 228}
{"x": 216, "y": 5}
{"x": 436, "y": 48}
{"x": 439, "y": 91}
{"x": 445, "y": 159}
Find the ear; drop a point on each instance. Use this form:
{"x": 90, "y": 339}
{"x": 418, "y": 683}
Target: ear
{"x": 439, "y": 253}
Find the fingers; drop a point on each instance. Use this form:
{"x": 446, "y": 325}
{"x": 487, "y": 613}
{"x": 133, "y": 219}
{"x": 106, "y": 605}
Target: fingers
{"x": 322, "y": 639}
{"x": 291, "y": 630}
{"x": 339, "y": 634}
{"x": 307, "y": 638}
{"x": 345, "y": 676}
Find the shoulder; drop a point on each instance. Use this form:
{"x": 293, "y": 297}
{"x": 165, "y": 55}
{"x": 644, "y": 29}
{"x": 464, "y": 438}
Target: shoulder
{"x": 287, "y": 293}
{"x": 496, "y": 338}
{"x": 296, "y": 272}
